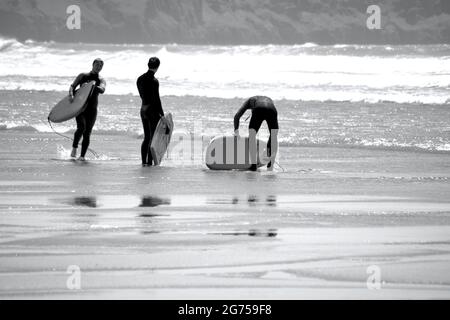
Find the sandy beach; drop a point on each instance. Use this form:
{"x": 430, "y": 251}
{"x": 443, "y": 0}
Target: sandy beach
{"x": 314, "y": 230}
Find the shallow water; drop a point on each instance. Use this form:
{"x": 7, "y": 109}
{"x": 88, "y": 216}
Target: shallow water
{"x": 380, "y": 126}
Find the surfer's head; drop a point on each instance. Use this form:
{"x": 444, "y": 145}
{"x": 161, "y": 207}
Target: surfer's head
{"x": 153, "y": 63}
{"x": 97, "y": 65}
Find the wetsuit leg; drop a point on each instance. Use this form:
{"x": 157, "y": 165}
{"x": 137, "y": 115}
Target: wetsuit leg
{"x": 256, "y": 120}
{"x": 272, "y": 119}
{"x": 81, "y": 127}
{"x": 152, "y": 124}
{"x": 253, "y": 128}
{"x": 91, "y": 116}
{"x": 269, "y": 114}
{"x": 145, "y": 147}
{"x": 272, "y": 123}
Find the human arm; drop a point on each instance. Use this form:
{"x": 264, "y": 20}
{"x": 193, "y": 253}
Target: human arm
{"x": 139, "y": 87}
{"x": 158, "y": 105}
{"x": 102, "y": 86}
{"x": 157, "y": 100}
{"x": 238, "y": 115}
{"x": 74, "y": 85}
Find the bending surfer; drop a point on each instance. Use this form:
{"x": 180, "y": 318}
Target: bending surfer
{"x": 263, "y": 109}
{"x": 151, "y": 108}
{"x": 86, "y": 119}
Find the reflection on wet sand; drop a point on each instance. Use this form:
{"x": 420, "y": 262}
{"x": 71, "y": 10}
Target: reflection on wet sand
{"x": 149, "y": 232}
{"x": 271, "y": 201}
{"x": 90, "y": 202}
{"x": 152, "y": 215}
{"x": 251, "y": 200}
{"x": 117, "y": 202}
{"x": 132, "y": 201}
{"x": 151, "y": 201}
{"x": 263, "y": 233}
{"x": 269, "y": 233}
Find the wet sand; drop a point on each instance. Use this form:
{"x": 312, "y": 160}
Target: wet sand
{"x": 316, "y": 230}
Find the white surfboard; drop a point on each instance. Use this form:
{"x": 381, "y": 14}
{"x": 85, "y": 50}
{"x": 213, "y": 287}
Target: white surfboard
{"x": 232, "y": 153}
{"x": 161, "y": 139}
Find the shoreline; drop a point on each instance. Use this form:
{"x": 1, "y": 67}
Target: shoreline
{"x": 59, "y": 94}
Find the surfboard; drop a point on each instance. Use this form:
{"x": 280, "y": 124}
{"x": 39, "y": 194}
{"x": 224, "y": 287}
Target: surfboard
{"x": 161, "y": 139}
{"x": 65, "y": 109}
{"x": 232, "y": 153}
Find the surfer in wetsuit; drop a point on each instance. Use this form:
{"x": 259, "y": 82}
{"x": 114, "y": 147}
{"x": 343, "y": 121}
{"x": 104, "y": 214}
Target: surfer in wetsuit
{"x": 86, "y": 119}
{"x": 262, "y": 109}
{"x": 151, "y": 108}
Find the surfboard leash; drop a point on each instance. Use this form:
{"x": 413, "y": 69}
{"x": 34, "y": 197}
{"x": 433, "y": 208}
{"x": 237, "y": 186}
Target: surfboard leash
{"x": 278, "y": 164}
{"x": 92, "y": 151}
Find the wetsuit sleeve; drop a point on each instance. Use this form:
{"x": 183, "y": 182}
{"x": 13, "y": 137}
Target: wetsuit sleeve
{"x": 101, "y": 88}
{"x": 240, "y": 112}
{"x": 157, "y": 102}
{"x": 75, "y": 83}
{"x": 139, "y": 87}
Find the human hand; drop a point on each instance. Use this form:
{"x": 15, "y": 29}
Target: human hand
{"x": 236, "y": 132}
{"x": 166, "y": 122}
{"x": 100, "y": 89}
{"x": 71, "y": 96}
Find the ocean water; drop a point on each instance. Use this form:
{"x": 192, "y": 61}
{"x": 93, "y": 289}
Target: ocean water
{"x": 403, "y": 74}
{"x": 394, "y": 97}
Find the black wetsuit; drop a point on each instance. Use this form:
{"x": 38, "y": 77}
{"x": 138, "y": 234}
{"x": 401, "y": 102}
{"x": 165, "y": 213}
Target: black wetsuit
{"x": 151, "y": 111}
{"x": 262, "y": 108}
{"x": 86, "y": 119}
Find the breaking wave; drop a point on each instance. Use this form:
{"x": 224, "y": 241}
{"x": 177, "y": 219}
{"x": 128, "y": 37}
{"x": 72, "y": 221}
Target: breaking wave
{"x": 307, "y": 72}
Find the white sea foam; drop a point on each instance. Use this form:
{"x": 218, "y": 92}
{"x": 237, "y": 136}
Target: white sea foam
{"x": 308, "y": 72}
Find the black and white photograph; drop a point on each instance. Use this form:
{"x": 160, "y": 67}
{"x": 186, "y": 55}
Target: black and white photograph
{"x": 225, "y": 150}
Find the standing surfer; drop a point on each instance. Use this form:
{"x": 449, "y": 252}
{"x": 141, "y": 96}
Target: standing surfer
{"x": 262, "y": 108}
{"x": 151, "y": 109}
{"x": 86, "y": 119}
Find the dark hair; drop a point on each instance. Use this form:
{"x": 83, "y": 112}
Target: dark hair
{"x": 98, "y": 60}
{"x": 153, "y": 63}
